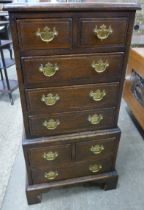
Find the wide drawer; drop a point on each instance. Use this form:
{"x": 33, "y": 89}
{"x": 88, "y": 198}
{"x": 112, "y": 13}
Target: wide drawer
{"x": 49, "y": 156}
{"x": 105, "y": 32}
{"x": 71, "y": 171}
{"x": 46, "y": 125}
{"x": 71, "y": 98}
{"x": 45, "y": 33}
{"x": 95, "y": 149}
{"x": 69, "y": 70}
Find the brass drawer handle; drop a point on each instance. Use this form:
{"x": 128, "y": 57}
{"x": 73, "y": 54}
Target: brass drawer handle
{"x": 103, "y": 32}
{"x": 100, "y": 66}
{"x": 51, "y": 124}
{"x": 97, "y": 149}
{"x": 49, "y": 69}
{"x": 47, "y": 35}
{"x": 95, "y": 168}
{"x": 50, "y": 155}
{"x": 97, "y": 95}
{"x": 50, "y": 99}
{"x": 95, "y": 119}
{"x": 51, "y": 175}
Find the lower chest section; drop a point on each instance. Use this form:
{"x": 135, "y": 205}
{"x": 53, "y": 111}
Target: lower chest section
{"x": 72, "y": 156}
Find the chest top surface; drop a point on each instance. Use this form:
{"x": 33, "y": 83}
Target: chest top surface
{"x": 73, "y": 5}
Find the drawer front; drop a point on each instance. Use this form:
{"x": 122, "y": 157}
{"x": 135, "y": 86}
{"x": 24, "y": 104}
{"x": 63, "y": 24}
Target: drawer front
{"x": 103, "y": 32}
{"x": 47, "y": 156}
{"x": 69, "y": 70}
{"x": 76, "y": 170}
{"x": 96, "y": 149}
{"x": 72, "y": 98}
{"x": 45, "y": 125}
{"x": 45, "y": 33}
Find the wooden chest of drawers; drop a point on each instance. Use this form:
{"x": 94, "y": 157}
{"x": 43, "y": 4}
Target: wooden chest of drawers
{"x": 71, "y": 61}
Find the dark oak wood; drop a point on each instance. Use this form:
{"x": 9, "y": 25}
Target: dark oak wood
{"x": 36, "y": 156}
{"x": 74, "y": 137}
{"x": 71, "y": 170}
{"x": 72, "y": 122}
{"x": 75, "y": 16}
{"x": 72, "y": 69}
{"x": 72, "y": 98}
{"x": 74, "y": 49}
{"x": 77, "y": 149}
{"x": 89, "y": 39}
{"x": 13, "y": 27}
{"x": 37, "y": 145}
{"x": 108, "y": 181}
{"x": 83, "y": 149}
{"x": 68, "y": 6}
{"x": 27, "y": 33}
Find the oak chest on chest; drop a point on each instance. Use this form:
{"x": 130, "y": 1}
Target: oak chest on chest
{"x": 71, "y": 60}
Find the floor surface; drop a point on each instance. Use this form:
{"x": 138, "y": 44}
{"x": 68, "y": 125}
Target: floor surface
{"x": 10, "y": 134}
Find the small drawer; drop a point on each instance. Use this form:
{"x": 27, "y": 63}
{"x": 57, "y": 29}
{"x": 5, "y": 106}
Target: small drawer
{"x": 71, "y": 171}
{"x": 104, "y": 32}
{"x": 36, "y": 34}
{"x": 70, "y": 70}
{"x": 62, "y": 99}
{"x": 96, "y": 149}
{"x": 47, "y": 156}
{"x": 52, "y": 124}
